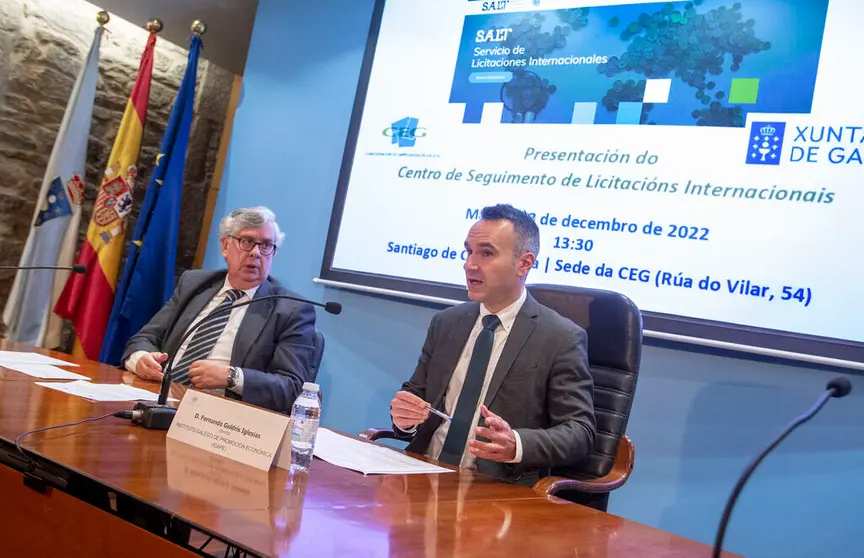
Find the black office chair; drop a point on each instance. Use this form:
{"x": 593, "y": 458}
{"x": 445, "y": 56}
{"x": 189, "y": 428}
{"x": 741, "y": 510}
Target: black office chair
{"x": 317, "y": 354}
{"x": 614, "y": 327}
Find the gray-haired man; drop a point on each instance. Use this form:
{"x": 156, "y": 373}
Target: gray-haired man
{"x": 260, "y": 353}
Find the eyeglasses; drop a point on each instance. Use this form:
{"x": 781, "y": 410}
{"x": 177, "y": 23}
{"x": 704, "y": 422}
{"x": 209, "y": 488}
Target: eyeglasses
{"x": 247, "y": 244}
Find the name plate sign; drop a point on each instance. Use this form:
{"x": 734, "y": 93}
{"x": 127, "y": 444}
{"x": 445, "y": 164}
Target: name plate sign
{"x": 229, "y": 428}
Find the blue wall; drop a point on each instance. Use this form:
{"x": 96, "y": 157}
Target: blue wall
{"x": 697, "y": 420}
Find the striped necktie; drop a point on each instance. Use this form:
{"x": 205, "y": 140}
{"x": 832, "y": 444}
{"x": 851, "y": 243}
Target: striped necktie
{"x": 204, "y": 339}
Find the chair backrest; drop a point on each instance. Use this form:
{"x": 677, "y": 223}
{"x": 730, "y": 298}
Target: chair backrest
{"x": 317, "y": 354}
{"x": 614, "y": 327}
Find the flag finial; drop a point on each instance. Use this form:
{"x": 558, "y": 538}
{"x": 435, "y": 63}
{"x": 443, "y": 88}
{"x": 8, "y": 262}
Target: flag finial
{"x": 154, "y": 25}
{"x": 102, "y": 18}
{"x": 199, "y": 27}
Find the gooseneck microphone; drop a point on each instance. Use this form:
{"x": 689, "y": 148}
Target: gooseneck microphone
{"x": 77, "y": 268}
{"x": 837, "y": 387}
{"x": 159, "y": 415}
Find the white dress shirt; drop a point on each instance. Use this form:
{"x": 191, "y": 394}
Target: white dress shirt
{"x": 454, "y": 388}
{"x": 224, "y": 345}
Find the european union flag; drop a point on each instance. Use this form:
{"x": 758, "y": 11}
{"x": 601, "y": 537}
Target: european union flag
{"x": 148, "y": 275}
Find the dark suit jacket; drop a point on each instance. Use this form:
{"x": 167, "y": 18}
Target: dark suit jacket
{"x": 274, "y": 345}
{"x": 540, "y": 386}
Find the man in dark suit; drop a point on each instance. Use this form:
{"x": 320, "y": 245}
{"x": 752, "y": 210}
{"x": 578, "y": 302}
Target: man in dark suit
{"x": 503, "y": 360}
{"x": 260, "y": 353}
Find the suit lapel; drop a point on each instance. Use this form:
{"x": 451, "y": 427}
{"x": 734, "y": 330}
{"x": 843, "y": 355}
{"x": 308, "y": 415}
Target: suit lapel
{"x": 252, "y": 324}
{"x": 198, "y": 300}
{"x": 523, "y": 326}
{"x": 460, "y": 329}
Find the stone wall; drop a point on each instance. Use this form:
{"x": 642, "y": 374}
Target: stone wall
{"x": 42, "y": 48}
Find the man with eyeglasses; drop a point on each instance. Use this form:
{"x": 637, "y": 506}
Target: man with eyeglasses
{"x": 260, "y": 353}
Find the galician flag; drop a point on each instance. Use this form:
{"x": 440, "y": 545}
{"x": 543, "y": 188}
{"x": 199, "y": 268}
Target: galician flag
{"x": 54, "y": 228}
{"x": 148, "y": 274}
{"x": 87, "y": 298}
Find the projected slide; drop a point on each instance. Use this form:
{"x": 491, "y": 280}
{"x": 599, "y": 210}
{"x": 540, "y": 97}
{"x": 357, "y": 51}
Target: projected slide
{"x": 652, "y": 63}
{"x": 703, "y": 158}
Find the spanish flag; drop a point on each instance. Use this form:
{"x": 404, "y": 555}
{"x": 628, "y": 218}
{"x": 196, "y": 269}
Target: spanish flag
{"x": 88, "y": 297}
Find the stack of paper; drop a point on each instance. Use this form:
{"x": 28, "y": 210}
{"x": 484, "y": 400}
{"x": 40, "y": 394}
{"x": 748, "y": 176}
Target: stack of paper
{"x": 102, "y": 392}
{"x": 369, "y": 459}
{"x": 17, "y": 357}
{"x": 45, "y": 371}
{"x": 45, "y": 367}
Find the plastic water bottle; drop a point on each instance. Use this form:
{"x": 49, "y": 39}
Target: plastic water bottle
{"x": 305, "y": 415}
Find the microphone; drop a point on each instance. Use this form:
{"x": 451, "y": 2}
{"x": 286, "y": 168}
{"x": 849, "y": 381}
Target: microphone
{"x": 159, "y": 415}
{"x": 77, "y": 268}
{"x": 837, "y": 387}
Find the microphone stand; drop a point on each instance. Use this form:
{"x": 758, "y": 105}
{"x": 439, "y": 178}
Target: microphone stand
{"x": 159, "y": 415}
{"x": 837, "y": 387}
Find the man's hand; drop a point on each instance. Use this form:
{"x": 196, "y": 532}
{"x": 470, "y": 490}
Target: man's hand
{"x": 408, "y": 410}
{"x": 207, "y": 374}
{"x": 149, "y": 367}
{"x": 502, "y": 444}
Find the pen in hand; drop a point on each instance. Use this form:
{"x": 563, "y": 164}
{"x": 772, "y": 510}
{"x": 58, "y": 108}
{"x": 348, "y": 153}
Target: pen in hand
{"x": 435, "y": 411}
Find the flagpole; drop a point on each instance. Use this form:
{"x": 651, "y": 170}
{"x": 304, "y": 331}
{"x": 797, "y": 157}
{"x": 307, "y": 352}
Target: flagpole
{"x": 154, "y": 25}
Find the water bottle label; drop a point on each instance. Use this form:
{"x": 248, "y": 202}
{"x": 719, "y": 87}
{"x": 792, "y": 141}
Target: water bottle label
{"x": 303, "y": 429}
{"x": 306, "y": 401}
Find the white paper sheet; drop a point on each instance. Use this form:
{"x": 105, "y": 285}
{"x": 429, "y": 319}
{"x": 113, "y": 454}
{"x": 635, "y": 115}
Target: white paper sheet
{"x": 369, "y": 459}
{"x": 102, "y": 392}
{"x": 18, "y": 357}
{"x": 45, "y": 371}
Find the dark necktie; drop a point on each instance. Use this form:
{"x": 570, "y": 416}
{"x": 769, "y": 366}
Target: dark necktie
{"x": 204, "y": 338}
{"x": 469, "y": 398}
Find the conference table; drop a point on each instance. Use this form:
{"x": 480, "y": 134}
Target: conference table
{"x": 59, "y": 508}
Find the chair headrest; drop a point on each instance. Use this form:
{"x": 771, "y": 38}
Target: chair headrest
{"x": 611, "y": 320}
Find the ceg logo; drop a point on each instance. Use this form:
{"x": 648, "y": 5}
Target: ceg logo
{"x": 404, "y": 132}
